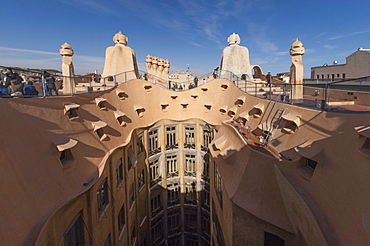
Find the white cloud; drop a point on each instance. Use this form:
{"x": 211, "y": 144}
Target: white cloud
{"x": 310, "y": 51}
{"x": 28, "y": 51}
{"x": 327, "y": 46}
{"x": 281, "y": 53}
{"x": 97, "y": 6}
{"x": 348, "y": 35}
{"x": 198, "y": 45}
{"x": 44, "y": 59}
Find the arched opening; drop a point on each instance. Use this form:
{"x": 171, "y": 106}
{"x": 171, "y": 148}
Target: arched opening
{"x": 257, "y": 72}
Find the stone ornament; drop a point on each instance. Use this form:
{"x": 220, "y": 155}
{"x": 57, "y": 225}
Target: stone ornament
{"x": 233, "y": 39}
{"x": 235, "y": 59}
{"x": 66, "y": 52}
{"x": 296, "y": 71}
{"x": 297, "y": 48}
{"x": 158, "y": 67}
{"x": 120, "y": 61}
{"x": 120, "y": 38}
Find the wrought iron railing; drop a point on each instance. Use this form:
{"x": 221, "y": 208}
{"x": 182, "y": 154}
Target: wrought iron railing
{"x": 349, "y": 95}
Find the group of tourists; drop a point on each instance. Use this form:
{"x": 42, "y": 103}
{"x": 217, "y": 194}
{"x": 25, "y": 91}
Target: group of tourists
{"x": 181, "y": 86}
{"x": 12, "y": 84}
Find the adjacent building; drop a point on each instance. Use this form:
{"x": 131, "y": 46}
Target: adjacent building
{"x": 357, "y": 65}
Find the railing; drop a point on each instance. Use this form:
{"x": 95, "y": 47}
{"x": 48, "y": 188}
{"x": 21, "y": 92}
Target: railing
{"x": 350, "y": 95}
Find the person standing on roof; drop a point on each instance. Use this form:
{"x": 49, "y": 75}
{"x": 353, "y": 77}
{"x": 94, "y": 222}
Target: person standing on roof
{"x": 9, "y": 75}
{"x": 268, "y": 78}
{"x": 50, "y": 84}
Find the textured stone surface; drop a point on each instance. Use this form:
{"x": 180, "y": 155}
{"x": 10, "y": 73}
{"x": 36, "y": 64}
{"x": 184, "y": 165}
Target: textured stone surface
{"x": 235, "y": 59}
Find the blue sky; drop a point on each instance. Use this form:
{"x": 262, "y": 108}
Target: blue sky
{"x": 184, "y": 32}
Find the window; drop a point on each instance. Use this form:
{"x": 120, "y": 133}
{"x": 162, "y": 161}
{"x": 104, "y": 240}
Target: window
{"x": 155, "y": 175}
{"x": 139, "y": 110}
{"x": 290, "y": 126}
{"x": 190, "y": 167}
{"x": 171, "y": 137}
{"x": 240, "y": 101}
{"x": 174, "y": 241}
{"x": 191, "y": 241}
{"x": 76, "y": 232}
{"x": 172, "y": 165}
{"x": 218, "y": 229}
{"x": 205, "y": 173}
{"x": 101, "y": 102}
{"x": 157, "y": 231}
{"x": 191, "y": 220}
{"x": 102, "y": 105}
{"x": 70, "y": 109}
{"x": 120, "y": 117}
{"x": 121, "y": 121}
{"x": 218, "y": 184}
{"x": 107, "y": 241}
{"x": 311, "y": 164}
{"x": 156, "y": 204}
{"x": 141, "y": 179}
{"x": 343, "y": 75}
{"x": 100, "y": 132}
{"x": 143, "y": 241}
{"x": 173, "y": 220}
{"x": 66, "y": 157}
{"x": 119, "y": 173}
{"x": 131, "y": 160}
{"x": 133, "y": 235}
{"x": 154, "y": 148}
{"x": 121, "y": 94}
{"x": 205, "y": 224}
{"x": 207, "y": 137}
{"x": 132, "y": 195}
{"x": 63, "y": 155}
{"x": 99, "y": 129}
{"x": 102, "y": 196}
{"x": 140, "y": 146}
{"x": 147, "y": 87}
{"x": 273, "y": 240}
{"x": 205, "y": 196}
{"x": 143, "y": 211}
{"x": 64, "y": 146}
{"x": 189, "y": 138}
{"x": 72, "y": 113}
{"x": 190, "y": 193}
{"x": 121, "y": 219}
{"x": 173, "y": 193}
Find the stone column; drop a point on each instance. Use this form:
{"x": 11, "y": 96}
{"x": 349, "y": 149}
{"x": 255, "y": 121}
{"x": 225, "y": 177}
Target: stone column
{"x": 296, "y": 72}
{"x": 66, "y": 52}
